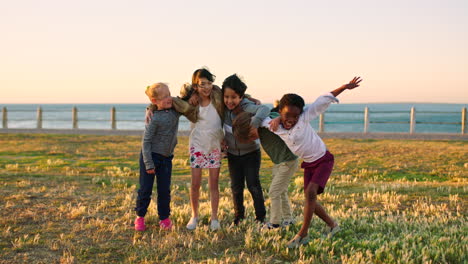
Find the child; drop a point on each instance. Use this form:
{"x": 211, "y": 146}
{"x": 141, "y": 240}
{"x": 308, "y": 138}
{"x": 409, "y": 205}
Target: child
{"x": 303, "y": 141}
{"x": 205, "y": 143}
{"x": 205, "y": 138}
{"x": 159, "y": 141}
{"x": 243, "y": 158}
{"x": 285, "y": 166}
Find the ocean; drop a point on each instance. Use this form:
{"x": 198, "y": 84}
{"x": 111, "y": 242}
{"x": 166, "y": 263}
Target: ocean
{"x": 384, "y": 117}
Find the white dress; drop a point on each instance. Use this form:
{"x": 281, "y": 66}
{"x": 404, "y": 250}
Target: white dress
{"x": 205, "y": 139}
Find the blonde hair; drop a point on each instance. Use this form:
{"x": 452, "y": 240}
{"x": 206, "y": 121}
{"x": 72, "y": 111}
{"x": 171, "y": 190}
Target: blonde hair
{"x": 153, "y": 89}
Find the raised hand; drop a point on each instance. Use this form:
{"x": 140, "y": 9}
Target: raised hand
{"x": 349, "y": 86}
{"x": 353, "y": 83}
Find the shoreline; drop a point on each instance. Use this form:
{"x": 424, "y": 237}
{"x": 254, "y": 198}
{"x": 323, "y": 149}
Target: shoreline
{"x": 341, "y": 135}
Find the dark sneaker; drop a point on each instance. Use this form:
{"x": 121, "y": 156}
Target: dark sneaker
{"x": 237, "y": 221}
{"x": 288, "y": 222}
{"x": 270, "y": 226}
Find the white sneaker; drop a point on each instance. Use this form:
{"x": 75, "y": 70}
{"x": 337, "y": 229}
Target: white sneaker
{"x": 215, "y": 225}
{"x": 192, "y": 224}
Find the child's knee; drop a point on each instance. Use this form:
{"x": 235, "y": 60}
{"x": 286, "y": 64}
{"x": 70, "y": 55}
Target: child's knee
{"x": 255, "y": 190}
{"x": 275, "y": 193}
{"x": 311, "y": 192}
{"x": 196, "y": 185}
{"x": 144, "y": 193}
{"x": 311, "y": 197}
{"x": 213, "y": 183}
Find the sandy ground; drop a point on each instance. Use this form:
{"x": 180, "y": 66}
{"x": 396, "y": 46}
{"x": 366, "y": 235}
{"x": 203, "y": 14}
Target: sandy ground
{"x": 415, "y": 136}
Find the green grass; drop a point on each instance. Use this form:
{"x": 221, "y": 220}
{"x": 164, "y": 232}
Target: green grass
{"x": 70, "y": 199}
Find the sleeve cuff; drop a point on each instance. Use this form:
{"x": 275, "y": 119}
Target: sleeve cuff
{"x": 330, "y": 97}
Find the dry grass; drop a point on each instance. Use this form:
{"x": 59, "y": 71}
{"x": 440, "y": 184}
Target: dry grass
{"x": 70, "y": 199}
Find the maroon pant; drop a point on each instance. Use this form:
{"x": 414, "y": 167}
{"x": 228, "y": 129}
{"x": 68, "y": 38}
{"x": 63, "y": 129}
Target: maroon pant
{"x": 318, "y": 171}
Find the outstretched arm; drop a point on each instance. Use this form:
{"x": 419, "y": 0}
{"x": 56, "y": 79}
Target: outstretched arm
{"x": 321, "y": 104}
{"x": 260, "y": 112}
{"x": 349, "y": 86}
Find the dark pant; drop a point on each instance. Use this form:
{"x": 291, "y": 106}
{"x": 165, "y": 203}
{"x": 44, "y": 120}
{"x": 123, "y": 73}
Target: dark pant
{"x": 163, "y": 169}
{"x": 242, "y": 169}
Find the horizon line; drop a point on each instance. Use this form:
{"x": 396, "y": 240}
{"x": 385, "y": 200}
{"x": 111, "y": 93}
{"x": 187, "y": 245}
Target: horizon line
{"x": 395, "y": 102}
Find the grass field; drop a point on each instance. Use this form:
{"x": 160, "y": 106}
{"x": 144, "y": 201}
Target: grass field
{"x": 70, "y": 199}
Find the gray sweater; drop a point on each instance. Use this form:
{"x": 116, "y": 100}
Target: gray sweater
{"x": 235, "y": 147}
{"x": 160, "y": 135}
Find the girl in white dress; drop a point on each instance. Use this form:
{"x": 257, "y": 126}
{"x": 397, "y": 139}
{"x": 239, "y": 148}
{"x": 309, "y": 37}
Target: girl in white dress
{"x": 205, "y": 144}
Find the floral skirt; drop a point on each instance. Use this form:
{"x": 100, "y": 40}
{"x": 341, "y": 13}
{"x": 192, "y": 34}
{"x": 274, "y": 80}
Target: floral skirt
{"x": 198, "y": 159}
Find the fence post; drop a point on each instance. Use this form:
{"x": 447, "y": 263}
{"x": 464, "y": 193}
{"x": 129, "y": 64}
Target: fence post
{"x": 366, "y": 119}
{"x": 412, "y": 119}
{"x": 322, "y": 123}
{"x": 39, "y": 117}
{"x": 463, "y": 121}
{"x": 113, "y": 121}
{"x": 75, "y": 117}
{"x": 4, "y": 118}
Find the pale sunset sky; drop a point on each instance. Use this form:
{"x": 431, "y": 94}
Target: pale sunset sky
{"x": 103, "y": 51}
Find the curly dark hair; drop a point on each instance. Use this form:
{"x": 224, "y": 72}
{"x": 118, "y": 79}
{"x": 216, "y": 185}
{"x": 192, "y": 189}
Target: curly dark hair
{"x": 291, "y": 99}
{"x": 235, "y": 83}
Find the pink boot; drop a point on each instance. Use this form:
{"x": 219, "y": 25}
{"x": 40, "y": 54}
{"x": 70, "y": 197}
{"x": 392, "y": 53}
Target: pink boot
{"x": 165, "y": 224}
{"x": 140, "y": 224}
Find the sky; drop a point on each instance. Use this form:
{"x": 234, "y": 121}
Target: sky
{"x": 103, "y": 51}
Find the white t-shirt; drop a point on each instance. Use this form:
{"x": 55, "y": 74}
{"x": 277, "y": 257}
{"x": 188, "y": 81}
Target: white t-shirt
{"x": 302, "y": 139}
{"x": 207, "y": 132}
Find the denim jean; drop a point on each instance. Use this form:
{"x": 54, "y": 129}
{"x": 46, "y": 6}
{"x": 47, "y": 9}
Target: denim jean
{"x": 163, "y": 169}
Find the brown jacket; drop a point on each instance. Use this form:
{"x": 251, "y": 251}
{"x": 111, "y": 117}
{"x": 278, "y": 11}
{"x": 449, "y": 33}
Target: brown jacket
{"x": 192, "y": 112}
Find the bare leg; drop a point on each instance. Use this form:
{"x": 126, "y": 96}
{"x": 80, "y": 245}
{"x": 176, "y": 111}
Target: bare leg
{"x": 309, "y": 208}
{"x": 320, "y": 212}
{"x": 195, "y": 190}
{"x": 214, "y": 192}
